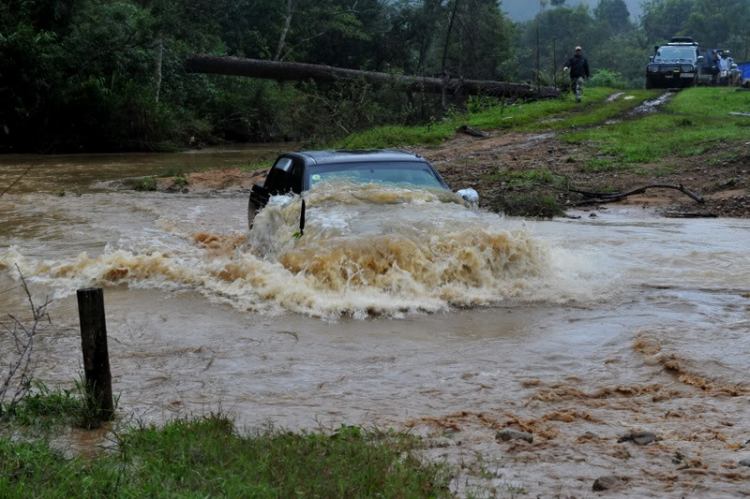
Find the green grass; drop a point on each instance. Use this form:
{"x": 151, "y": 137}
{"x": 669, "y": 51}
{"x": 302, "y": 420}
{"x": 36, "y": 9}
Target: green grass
{"x": 208, "y": 457}
{"x": 520, "y": 180}
{"x": 599, "y": 165}
{"x": 45, "y": 408}
{"x": 597, "y": 113}
{"x": 504, "y": 117}
{"x": 693, "y": 123}
{"x": 180, "y": 181}
{"x": 146, "y": 184}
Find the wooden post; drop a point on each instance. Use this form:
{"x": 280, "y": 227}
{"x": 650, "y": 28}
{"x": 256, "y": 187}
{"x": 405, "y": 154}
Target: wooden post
{"x": 302, "y": 220}
{"x": 95, "y": 353}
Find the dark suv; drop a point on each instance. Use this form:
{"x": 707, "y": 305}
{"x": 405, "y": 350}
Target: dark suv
{"x": 296, "y": 172}
{"x": 675, "y": 65}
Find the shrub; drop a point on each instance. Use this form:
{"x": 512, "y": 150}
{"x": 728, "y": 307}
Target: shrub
{"x": 609, "y": 79}
{"x": 146, "y": 184}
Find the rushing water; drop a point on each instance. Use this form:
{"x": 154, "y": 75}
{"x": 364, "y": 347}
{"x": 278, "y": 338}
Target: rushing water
{"x": 405, "y": 309}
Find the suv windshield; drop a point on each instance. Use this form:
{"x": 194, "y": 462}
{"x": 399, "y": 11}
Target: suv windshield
{"x": 408, "y": 174}
{"x": 675, "y": 54}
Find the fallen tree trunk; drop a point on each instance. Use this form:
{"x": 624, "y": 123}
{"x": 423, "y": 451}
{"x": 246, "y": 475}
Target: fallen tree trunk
{"x": 254, "y": 68}
{"x": 603, "y": 198}
{"x": 690, "y": 214}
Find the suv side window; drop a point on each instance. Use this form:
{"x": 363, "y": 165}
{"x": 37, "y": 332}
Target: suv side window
{"x": 276, "y": 183}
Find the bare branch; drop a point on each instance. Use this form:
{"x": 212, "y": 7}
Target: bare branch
{"x": 20, "y": 177}
{"x": 20, "y": 373}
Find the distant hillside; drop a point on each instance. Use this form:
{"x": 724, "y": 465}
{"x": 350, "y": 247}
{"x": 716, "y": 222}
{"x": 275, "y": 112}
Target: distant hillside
{"x": 523, "y": 10}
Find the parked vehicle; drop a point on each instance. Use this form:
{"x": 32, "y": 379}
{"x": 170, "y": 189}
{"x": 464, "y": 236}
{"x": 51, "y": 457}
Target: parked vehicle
{"x": 675, "y": 65}
{"x": 297, "y": 172}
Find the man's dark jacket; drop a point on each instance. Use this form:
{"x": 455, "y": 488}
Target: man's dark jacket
{"x": 579, "y": 67}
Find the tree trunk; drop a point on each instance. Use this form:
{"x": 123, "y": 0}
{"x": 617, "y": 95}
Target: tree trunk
{"x": 157, "y": 70}
{"x": 287, "y": 24}
{"x": 254, "y": 68}
{"x": 446, "y": 75}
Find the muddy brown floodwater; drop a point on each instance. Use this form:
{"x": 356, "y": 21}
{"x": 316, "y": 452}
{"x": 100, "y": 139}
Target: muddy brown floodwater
{"x": 407, "y": 310}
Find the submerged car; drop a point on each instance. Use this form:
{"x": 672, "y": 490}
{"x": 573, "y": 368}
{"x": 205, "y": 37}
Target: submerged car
{"x": 675, "y": 65}
{"x": 296, "y": 172}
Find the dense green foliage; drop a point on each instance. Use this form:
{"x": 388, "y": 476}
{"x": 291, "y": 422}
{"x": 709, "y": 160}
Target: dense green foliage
{"x": 108, "y": 74}
{"x": 208, "y": 457}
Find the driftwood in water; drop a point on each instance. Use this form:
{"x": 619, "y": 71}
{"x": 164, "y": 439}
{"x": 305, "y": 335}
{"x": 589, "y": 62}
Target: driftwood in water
{"x": 603, "y": 198}
{"x": 690, "y": 214}
{"x": 254, "y": 68}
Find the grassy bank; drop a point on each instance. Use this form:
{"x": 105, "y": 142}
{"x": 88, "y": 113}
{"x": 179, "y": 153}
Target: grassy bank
{"x": 209, "y": 457}
{"x": 693, "y": 123}
{"x": 523, "y": 117}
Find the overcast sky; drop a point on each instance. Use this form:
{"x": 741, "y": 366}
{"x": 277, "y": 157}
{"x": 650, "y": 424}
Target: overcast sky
{"x": 522, "y": 10}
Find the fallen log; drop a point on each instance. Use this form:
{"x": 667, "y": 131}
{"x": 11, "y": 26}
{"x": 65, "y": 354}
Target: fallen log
{"x": 603, "y": 198}
{"x": 466, "y": 129}
{"x": 690, "y": 214}
{"x": 255, "y": 68}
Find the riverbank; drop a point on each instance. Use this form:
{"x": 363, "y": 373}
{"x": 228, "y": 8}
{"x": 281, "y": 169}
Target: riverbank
{"x": 210, "y": 456}
{"x": 532, "y": 157}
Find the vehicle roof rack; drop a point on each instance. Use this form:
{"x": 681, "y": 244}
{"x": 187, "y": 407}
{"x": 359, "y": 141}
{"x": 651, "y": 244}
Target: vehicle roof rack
{"x": 682, "y": 40}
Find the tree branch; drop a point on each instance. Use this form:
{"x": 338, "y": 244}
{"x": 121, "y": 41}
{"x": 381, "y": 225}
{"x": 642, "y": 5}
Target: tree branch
{"x": 603, "y": 198}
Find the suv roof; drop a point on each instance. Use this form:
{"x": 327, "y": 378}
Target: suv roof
{"x": 682, "y": 40}
{"x": 354, "y": 156}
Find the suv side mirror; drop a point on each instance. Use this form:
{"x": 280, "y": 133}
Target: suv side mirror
{"x": 469, "y": 195}
{"x": 651, "y": 59}
{"x": 701, "y": 59}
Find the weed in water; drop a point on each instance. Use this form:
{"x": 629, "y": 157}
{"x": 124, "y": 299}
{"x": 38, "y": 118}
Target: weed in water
{"x": 146, "y": 184}
{"x": 47, "y": 407}
{"x": 180, "y": 181}
{"x": 534, "y": 204}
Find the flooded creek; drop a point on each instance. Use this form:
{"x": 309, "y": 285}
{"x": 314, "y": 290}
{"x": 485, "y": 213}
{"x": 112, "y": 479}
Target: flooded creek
{"x": 406, "y": 310}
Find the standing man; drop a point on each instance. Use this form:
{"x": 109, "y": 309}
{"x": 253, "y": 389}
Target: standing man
{"x": 716, "y": 68}
{"x": 579, "y": 69}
